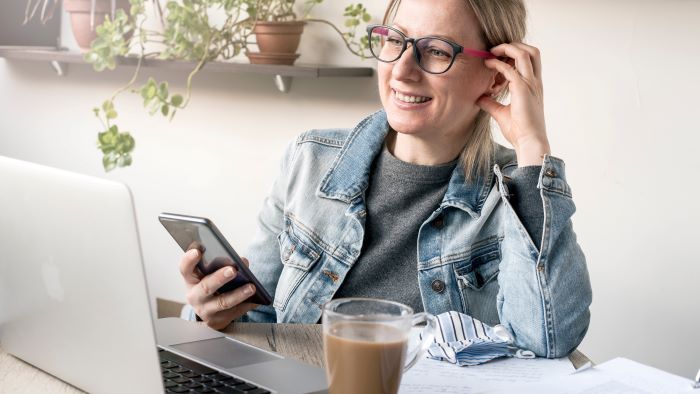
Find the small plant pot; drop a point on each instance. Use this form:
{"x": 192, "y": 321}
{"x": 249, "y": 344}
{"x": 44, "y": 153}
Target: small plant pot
{"x": 272, "y": 58}
{"x": 79, "y": 11}
{"x": 277, "y": 40}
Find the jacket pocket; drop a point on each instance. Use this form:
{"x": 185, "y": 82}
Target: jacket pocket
{"x": 297, "y": 259}
{"x": 478, "y": 279}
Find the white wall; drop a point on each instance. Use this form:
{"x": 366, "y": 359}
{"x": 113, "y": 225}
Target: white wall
{"x": 621, "y": 85}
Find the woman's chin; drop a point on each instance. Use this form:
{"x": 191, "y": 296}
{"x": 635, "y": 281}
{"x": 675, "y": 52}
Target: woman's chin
{"x": 406, "y": 125}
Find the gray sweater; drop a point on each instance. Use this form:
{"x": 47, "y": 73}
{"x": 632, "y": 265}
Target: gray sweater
{"x": 400, "y": 197}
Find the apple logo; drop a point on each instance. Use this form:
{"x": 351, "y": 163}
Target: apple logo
{"x": 52, "y": 281}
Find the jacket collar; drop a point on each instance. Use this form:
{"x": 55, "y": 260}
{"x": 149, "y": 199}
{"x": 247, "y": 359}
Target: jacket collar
{"x": 348, "y": 176}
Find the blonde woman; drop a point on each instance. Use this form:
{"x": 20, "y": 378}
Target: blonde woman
{"x": 417, "y": 204}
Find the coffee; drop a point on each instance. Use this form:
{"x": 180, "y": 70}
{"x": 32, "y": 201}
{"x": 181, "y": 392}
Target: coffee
{"x": 364, "y": 357}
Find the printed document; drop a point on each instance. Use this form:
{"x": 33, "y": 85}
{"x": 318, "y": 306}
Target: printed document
{"x": 618, "y": 376}
{"x": 431, "y": 376}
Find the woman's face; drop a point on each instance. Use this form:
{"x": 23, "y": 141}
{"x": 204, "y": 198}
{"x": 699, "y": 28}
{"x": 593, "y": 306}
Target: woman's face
{"x": 451, "y": 97}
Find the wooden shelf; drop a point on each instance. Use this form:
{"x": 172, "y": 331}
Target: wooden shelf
{"x": 282, "y": 74}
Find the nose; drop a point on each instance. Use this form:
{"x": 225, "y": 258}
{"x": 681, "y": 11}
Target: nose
{"x": 406, "y": 67}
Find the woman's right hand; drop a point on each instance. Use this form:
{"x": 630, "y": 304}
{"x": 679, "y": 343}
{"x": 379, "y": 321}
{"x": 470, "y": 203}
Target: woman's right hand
{"x": 216, "y": 310}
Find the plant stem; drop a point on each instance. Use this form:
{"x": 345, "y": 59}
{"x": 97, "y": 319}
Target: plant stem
{"x": 195, "y": 71}
{"x": 347, "y": 44}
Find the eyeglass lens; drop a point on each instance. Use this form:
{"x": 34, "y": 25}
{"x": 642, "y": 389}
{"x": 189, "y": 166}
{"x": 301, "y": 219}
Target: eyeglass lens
{"x": 434, "y": 55}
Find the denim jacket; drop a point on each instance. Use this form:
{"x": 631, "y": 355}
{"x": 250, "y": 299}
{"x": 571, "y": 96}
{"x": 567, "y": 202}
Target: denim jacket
{"x": 474, "y": 255}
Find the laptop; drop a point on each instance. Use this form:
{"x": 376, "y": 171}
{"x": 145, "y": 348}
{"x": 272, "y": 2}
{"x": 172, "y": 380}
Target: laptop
{"x": 74, "y": 301}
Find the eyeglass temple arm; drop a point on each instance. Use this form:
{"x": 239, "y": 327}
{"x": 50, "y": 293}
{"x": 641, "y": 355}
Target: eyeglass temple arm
{"x": 478, "y": 53}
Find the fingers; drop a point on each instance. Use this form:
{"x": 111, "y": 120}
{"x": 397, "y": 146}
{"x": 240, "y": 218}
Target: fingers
{"x": 222, "y": 319}
{"x": 497, "y": 110}
{"x": 188, "y": 267}
{"x": 504, "y": 68}
{"x": 226, "y": 301}
{"x": 528, "y": 61}
{"x": 535, "y": 57}
{"x": 245, "y": 261}
{"x": 210, "y": 284}
{"x": 523, "y": 63}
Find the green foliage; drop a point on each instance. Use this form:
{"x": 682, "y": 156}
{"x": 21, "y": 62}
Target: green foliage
{"x": 116, "y": 148}
{"x": 188, "y": 34}
{"x": 111, "y": 42}
{"x": 356, "y": 14}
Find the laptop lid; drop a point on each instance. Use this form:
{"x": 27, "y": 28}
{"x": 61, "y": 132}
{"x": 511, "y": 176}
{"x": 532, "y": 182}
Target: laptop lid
{"x": 73, "y": 296}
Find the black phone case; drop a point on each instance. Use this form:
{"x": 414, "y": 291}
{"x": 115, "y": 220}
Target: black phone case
{"x": 184, "y": 230}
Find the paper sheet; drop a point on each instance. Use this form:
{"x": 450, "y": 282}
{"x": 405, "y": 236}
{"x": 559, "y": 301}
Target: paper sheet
{"x": 431, "y": 376}
{"x": 619, "y": 376}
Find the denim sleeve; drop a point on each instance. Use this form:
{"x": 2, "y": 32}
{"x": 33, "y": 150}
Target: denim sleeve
{"x": 544, "y": 293}
{"x": 264, "y": 251}
{"x": 526, "y": 201}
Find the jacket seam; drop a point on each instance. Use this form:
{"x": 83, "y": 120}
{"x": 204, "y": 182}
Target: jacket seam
{"x": 542, "y": 279}
{"x": 451, "y": 258}
{"x": 310, "y": 234}
{"x": 321, "y": 140}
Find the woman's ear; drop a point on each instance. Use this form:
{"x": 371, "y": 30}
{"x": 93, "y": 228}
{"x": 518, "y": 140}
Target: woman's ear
{"x": 499, "y": 81}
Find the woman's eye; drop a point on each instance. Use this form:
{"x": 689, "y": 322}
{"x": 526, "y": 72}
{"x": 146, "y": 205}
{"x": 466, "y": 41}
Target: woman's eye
{"x": 437, "y": 53}
{"x": 394, "y": 41}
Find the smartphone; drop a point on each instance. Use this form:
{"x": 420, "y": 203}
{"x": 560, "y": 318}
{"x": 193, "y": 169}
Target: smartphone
{"x": 192, "y": 232}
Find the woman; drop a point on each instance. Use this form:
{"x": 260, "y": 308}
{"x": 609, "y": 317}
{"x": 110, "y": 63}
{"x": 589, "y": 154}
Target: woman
{"x": 416, "y": 203}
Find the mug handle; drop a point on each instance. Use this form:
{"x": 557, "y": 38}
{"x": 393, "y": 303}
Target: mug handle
{"x": 428, "y": 336}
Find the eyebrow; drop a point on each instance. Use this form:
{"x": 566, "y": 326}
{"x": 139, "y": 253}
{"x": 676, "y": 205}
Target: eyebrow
{"x": 403, "y": 30}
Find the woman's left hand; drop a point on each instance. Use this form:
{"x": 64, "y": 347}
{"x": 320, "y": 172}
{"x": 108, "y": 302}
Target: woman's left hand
{"x": 521, "y": 121}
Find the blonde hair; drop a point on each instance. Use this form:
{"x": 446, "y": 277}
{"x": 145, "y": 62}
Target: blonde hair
{"x": 500, "y": 21}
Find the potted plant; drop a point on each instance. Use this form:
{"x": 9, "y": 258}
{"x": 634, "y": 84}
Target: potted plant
{"x": 278, "y": 29}
{"x": 85, "y": 15}
{"x": 187, "y": 34}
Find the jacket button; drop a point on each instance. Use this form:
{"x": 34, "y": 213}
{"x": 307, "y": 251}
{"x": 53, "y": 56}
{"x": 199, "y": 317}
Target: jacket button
{"x": 438, "y": 286}
{"x": 439, "y": 222}
{"x": 550, "y": 173}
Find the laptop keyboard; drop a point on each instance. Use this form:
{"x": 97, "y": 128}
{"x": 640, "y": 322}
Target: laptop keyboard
{"x": 181, "y": 375}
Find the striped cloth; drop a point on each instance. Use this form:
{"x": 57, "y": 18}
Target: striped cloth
{"x": 465, "y": 341}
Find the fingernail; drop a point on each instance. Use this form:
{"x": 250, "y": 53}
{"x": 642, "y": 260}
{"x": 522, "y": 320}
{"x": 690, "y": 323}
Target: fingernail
{"x": 228, "y": 272}
{"x": 249, "y": 290}
{"x": 193, "y": 252}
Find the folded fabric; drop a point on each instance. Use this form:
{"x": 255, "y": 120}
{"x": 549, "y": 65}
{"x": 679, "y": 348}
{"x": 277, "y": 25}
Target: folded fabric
{"x": 465, "y": 341}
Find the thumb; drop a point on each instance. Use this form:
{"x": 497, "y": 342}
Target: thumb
{"x": 493, "y": 107}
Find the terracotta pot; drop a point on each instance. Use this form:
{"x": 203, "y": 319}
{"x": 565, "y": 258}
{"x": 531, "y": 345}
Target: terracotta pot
{"x": 80, "y": 18}
{"x": 272, "y": 58}
{"x": 278, "y": 38}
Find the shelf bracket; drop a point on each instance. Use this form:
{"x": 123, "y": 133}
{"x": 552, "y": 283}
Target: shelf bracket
{"x": 283, "y": 83}
{"x": 59, "y": 67}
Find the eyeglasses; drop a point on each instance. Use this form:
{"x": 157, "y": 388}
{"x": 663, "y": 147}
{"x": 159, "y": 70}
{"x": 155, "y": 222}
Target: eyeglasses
{"x": 434, "y": 55}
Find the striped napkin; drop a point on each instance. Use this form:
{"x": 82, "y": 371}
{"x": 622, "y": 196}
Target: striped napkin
{"x": 465, "y": 341}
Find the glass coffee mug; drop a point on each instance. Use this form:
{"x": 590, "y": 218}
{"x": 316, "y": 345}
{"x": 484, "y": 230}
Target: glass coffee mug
{"x": 366, "y": 343}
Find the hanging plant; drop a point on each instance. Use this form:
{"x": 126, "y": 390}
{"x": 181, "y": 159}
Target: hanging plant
{"x": 187, "y": 34}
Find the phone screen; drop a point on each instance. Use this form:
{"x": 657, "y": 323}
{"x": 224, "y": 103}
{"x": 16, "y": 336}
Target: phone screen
{"x": 199, "y": 233}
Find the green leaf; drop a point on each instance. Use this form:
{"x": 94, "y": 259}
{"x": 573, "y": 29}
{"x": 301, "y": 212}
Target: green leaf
{"x": 108, "y": 163}
{"x": 111, "y": 114}
{"x": 176, "y": 100}
{"x": 128, "y": 142}
{"x": 126, "y": 161}
{"x": 165, "y": 109}
{"x": 163, "y": 90}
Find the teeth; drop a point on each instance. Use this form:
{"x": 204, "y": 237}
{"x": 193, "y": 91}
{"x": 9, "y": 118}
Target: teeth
{"x": 411, "y": 99}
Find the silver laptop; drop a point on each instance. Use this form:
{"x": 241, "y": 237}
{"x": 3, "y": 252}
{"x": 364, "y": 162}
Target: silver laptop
{"x": 74, "y": 302}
